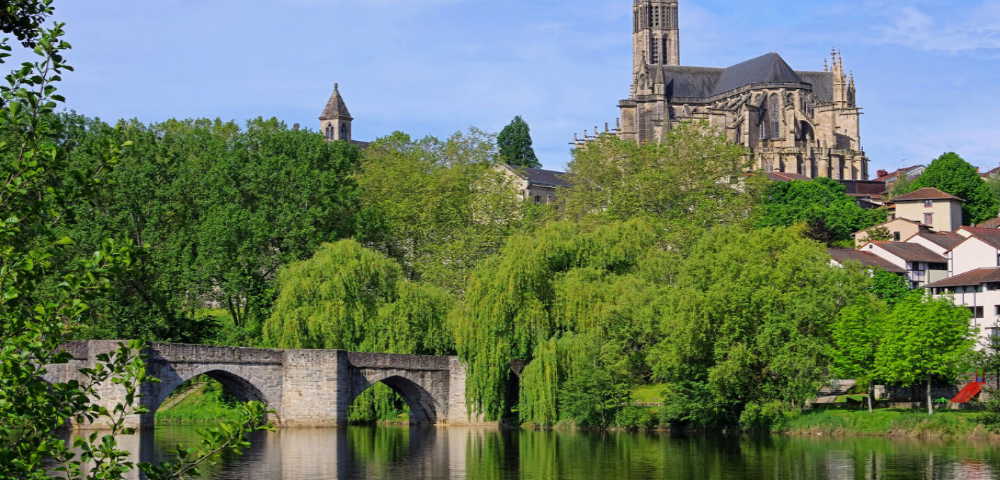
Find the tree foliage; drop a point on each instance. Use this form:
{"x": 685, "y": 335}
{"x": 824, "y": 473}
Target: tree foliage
{"x": 514, "y": 143}
{"x": 596, "y": 281}
{"x": 37, "y": 315}
{"x": 438, "y": 207}
{"x": 822, "y": 204}
{"x": 924, "y": 338}
{"x": 221, "y": 208}
{"x": 953, "y": 175}
{"x": 747, "y": 324}
{"x": 692, "y": 180}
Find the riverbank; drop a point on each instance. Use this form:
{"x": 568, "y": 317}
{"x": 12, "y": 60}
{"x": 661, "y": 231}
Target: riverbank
{"x": 889, "y": 423}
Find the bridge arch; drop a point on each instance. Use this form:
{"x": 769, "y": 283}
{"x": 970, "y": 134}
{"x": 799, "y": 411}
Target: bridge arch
{"x": 424, "y": 407}
{"x": 243, "y": 389}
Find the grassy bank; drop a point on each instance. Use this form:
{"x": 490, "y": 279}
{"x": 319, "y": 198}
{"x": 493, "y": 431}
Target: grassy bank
{"x": 201, "y": 402}
{"x": 888, "y": 422}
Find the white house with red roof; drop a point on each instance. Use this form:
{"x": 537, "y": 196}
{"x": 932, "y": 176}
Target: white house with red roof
{"x": 922, "y": 266}
{"x": 928, "y": 206}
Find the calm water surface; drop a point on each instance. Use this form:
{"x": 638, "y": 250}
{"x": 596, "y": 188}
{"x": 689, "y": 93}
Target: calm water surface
{"x": 401, "y": 453}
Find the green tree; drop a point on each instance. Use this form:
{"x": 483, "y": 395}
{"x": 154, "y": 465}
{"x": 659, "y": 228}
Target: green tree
{"x": 514, "y": 143}
{"x": 901, "y": 186}
{"x": 924, "y": 338}
{"x": 953, "y": 175}
{"x": 694, "y": 179}
{"x": 857, "y": 336}
{"x": 746, "y": 328}
{"x": 822, "y": 204}
{"x": 347, "y": 297}
{"x": 597, "y": 283}
{"x": 890, "y": 287}
{"x": 439, "y": 207}
{"x": 994, "y": 184}
{"x": 221, "y": 208}
{"x": 35, "y": 321}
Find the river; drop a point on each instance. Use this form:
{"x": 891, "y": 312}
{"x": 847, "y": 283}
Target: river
{"x": 402, "y": 453}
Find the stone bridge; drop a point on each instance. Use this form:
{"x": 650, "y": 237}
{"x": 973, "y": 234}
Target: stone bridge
{"x": 305, "y": 388}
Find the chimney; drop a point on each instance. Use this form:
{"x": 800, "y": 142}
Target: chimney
{"x": 881, "y": 173}
{"x": 295, "y": 127}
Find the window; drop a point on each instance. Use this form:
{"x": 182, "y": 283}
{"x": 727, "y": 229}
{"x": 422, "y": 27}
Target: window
{"x": 329, "y": 132}
{"x": 918, "y": 266}
{"x": 892, "y": 216}
{"x": 928, "y": 219}
{"x": 775, "y": 117}
{"x": 343, "y": 132}
{"x": 895, "y": 236}
{"x": 538, "y": 199}
{"x": 656, "y": 16}
{"x": 977, "y": 312}
{"x": 928, "y": 203}
{"x": 655, "y": 55}
{"x": 997, "y": 309}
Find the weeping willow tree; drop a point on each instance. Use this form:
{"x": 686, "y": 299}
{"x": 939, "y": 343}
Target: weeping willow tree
{"x": 570, "y": 278}
{"x": 348, "y": 297}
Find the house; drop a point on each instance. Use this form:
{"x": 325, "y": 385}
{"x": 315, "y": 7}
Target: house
{"x": 922, "y": 265}
{"x": 980, "y": 248}
{"x": 991, "y": 223}
{"x": 537, "y": 185}
{"x": 911, "y": 174}
{"x": 840, "y": 256}
{"x": 900, "y": 229}
{"x": 937, "y": 242}
{"x": 929, "y": 206}
{"x": 979, "y": 290}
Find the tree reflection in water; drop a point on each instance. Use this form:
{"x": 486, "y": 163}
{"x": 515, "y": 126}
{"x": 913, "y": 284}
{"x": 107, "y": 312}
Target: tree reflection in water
{"x": 403, "y": 453}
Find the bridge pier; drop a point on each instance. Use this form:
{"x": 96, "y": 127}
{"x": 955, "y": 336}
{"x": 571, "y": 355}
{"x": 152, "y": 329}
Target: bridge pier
{"x": 305, "y": 388}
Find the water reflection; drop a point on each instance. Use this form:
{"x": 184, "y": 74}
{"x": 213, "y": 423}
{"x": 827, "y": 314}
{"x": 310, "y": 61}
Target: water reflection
{"x": 402, "y": 453}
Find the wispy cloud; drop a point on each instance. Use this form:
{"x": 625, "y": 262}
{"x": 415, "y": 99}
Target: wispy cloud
{"x": 970, "y": 30}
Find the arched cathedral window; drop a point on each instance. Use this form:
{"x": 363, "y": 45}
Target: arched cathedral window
{"x": 329, "y": 132}
{"x": 775, "y": 108}
{"x": 343, "y": 132}
{"x": 656, "y": 16}
{"x": 655, "y": 54}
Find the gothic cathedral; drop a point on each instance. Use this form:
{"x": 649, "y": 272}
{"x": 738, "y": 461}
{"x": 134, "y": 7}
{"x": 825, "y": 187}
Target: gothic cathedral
{"x": 797, "y": 122}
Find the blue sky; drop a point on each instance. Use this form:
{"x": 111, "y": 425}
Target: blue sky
{"x": 927, "y": 71}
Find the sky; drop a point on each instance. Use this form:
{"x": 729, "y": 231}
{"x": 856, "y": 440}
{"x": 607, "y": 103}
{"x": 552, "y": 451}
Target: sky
{"x": 927, "y": 71}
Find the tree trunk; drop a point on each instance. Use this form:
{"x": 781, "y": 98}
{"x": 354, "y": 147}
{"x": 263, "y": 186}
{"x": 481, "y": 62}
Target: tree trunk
{"x": 930, "y": 404}
{"x": 871, "y": 397}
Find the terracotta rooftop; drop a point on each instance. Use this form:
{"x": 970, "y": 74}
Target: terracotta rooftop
{"x": 841, "y": 255}
{"x": 926, "y": 193}
{"x": 911, "y": 252}
{"x": 945, "y": 240}
{"x": 978, "y": 276}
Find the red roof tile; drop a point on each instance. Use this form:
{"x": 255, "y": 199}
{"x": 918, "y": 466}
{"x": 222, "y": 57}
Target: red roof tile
{"x": 926, "y": 193}
{"x": 911, "y": 252}
{"x": 991, "y": 236}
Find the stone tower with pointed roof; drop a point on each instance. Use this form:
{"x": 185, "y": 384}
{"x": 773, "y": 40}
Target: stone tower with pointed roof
{"x": 335, "y": 122}
{"x": 796, "y": 122}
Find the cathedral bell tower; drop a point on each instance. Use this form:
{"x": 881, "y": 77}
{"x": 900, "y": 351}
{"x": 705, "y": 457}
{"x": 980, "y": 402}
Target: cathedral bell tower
{"x": 655, "y": 36}
{"x": 335, "y": 121}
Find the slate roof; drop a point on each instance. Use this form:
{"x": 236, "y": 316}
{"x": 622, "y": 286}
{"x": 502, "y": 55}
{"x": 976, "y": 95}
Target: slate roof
{"x": 841, "y": 255}
{"x": 990, "y": 236}
{"x": 945, "y": 240}
{"x": 978, "y": 276}
{"x": 911, "y": 252}
{"x": 769, "y": 68}
{"x": 335, "y": 107}
{"x": 863, "y": 187}
{"x": 704, "y": 82}
{"x": 926, "y": 193}
{"x": 541, "y": 177}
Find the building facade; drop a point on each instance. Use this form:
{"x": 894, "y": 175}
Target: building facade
{"x": 335, "y": 121}
{"x": 804, "y": 122}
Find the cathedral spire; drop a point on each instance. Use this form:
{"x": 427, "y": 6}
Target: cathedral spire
{"x": 335, "y": 121}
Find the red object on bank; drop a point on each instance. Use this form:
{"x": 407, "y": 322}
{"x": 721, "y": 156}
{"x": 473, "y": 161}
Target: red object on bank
{"x": 971, "y": 390}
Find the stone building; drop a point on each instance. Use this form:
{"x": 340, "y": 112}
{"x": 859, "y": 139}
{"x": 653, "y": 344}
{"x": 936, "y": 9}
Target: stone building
{"x": 803, "y": 122}
{"x": 534, "y": 184}
{"x": 335, "y": 121}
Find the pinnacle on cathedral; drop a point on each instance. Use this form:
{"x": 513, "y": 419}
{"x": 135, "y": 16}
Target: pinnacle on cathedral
{"x": 335, "y": 121}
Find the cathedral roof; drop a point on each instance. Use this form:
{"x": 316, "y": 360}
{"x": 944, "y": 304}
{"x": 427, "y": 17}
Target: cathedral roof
{"x": 335, "y": 107}
{"x": 769, "y": 68}
{"x": 704, "y": 82}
